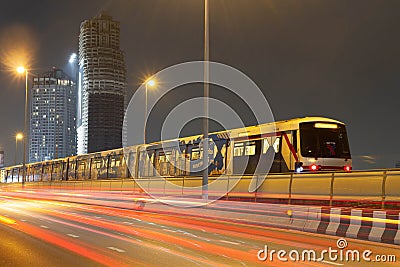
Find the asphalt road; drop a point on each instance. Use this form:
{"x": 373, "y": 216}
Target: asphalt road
{"x": 53, "y": 233}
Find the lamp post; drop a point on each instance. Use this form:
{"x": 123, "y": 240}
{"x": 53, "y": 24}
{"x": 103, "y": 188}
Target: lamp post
{"x": 73, "y": 61}
{"x": 18, "y": 136}
{"x": 149, "y": 83}
{"x": 206, "y": 95}
{"x": 22, "y": 70}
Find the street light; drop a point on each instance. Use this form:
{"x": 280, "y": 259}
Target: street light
{"x": 22, "y": 70}
{"x": 149, "y": 83}
{"x": 72, "y": 58}
{"x": 18, "y": 136}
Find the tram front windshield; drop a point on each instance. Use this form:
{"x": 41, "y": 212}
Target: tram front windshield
{"x": 324, "y": 140}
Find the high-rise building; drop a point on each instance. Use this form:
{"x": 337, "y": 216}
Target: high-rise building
{"x": 53, "y": 116}
{"x": 102, "y": 85}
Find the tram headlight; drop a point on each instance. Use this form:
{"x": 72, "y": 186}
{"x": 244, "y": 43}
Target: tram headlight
{"x": 298, "y": 167}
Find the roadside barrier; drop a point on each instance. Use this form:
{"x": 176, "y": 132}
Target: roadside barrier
{"x": 377, "y": 224}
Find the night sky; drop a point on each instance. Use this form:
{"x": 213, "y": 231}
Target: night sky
{"x": 339, "y": 59}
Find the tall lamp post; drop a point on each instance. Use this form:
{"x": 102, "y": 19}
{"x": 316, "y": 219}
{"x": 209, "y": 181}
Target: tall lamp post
{"x": 22, "y": 70}
{"x": 206, "y": 95}
{"x": 18, "y": 136}
{"x": 149, "y": 83}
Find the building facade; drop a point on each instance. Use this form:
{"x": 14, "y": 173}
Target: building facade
{"x": 102, "y": 85}
{"x": 52, "y": 131}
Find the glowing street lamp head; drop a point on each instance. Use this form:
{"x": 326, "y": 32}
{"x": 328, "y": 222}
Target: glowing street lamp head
{"x": 72, "y": 58}
{"x": 151, "y": 82}
{"x": 21, "y": 69}
{"x": 19, "y": 136}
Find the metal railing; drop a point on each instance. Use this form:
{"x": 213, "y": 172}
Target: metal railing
{"x": 378, "y": 187}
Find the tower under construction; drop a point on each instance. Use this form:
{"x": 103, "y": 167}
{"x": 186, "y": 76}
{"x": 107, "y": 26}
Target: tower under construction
{"x": 101, "y": 85}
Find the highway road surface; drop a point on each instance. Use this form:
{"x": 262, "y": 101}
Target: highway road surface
{"x": 54, "y": 233}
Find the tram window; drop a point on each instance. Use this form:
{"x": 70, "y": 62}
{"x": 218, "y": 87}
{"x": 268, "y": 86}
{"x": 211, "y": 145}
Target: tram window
{"x": 114, "y": 162}
{"x": 250, "y": 148}
{"x": 195, "y": 154}
{"x": 162, "y": 158}
{"x": 276, "y": 144}
{"x": 168, "y": 156}
{"x": 98, "y": 164}
{"x": 266, "y": 146}
{"x": 82, "y": 165}
{"x": 238, "y": 149}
